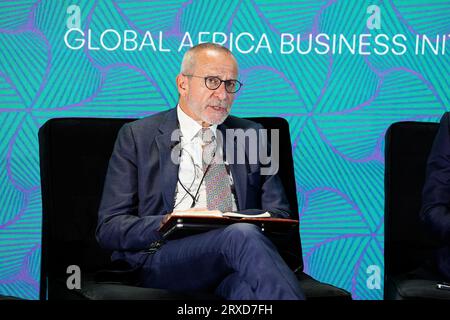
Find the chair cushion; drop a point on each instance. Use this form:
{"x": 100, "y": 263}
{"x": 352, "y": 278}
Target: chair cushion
{"x": 9, "y": 298}
{"x": 93, "y": 290}
{"x": 113, "y": 291}
{"x": 315, "y": 289}
{"x": 411, "y": 289}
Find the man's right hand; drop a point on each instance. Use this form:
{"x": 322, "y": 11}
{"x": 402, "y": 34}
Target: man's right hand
{"x": 164, "y": 219}
{"x": 193, "y": 210}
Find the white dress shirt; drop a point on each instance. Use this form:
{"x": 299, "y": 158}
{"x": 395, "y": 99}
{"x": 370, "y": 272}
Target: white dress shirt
{"x": 190, "y": 172}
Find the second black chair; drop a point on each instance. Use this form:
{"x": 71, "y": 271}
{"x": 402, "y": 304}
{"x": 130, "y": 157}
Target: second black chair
{"x": 409, "y": 248}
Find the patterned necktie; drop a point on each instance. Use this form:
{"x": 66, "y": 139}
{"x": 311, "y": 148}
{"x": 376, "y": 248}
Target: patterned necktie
{"x": 217, "y": 181}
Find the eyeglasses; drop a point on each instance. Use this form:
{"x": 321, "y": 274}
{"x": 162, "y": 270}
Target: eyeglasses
{"x": 213, "y": 83}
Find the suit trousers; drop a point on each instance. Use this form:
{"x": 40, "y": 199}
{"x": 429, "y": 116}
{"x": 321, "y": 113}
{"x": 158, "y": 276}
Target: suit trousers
{"x": 237, "y": 262}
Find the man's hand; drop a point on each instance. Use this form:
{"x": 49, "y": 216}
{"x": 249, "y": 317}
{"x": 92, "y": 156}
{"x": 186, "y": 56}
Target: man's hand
{"x": 193, "y": 210}
{"x": 164, "y": 219}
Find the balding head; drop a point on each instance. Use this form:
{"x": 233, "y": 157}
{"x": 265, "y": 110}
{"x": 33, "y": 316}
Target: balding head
{"x": 190, "y": 57}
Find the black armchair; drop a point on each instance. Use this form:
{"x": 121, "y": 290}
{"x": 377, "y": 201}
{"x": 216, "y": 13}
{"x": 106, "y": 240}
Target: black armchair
{"x": 74, "y": 155}
{"x": 409, "y": 272}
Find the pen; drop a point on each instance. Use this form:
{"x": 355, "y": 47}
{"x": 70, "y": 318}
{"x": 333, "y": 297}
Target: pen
{"x": 443, "y": 286}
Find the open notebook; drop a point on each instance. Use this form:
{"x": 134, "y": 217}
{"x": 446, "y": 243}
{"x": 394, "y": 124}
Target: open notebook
{"x": 217, "y": 213}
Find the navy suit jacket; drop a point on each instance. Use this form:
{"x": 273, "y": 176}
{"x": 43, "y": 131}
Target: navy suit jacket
{"x": 436, "y": 194}
{"x": 141, "y": 179}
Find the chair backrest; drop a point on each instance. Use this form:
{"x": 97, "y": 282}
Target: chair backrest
{"x": 407, "y": 244}
{"x": 74, "y": 156}
{"x": 293, "y": 251}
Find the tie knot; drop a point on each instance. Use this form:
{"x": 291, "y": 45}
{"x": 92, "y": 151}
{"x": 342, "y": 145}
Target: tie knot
{"x": 207, "y": 135}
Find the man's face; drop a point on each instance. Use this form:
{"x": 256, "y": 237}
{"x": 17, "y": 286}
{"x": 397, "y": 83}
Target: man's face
{"x": 203, "y": 104}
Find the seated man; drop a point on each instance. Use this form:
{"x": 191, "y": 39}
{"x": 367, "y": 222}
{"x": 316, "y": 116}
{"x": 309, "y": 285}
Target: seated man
{"x": 145, "y": 183}
{"x": 436, "y": 195}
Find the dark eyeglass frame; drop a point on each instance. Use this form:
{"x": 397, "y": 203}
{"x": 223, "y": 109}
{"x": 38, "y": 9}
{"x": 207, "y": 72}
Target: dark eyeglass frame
{"x": 227, "y": 82}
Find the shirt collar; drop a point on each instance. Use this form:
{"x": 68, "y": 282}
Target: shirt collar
{"x": 189, "y": 127}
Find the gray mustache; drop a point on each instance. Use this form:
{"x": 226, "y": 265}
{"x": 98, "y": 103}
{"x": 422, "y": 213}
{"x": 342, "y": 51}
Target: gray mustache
{"x": 219, "y": 104}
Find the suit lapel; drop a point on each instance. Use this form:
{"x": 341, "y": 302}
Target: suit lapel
{"x": 168, "y": 169}
{"x": 238, "y": 171}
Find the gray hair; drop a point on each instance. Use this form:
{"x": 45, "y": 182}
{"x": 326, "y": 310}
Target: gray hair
{"x": 188, "y": 62}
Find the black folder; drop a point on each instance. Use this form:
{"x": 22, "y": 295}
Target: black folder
{"x": 182, "y": 226}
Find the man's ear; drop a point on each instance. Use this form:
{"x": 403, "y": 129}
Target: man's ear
{"x": 182, "y": 85}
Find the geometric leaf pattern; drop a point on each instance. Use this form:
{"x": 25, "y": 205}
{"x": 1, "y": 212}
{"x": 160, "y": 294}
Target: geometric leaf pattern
{"x": 430, "y": 18}
{"x": 262, "y": 86}
{"x": 290, "y": 16}
{"x": 391, "y": 102}
{"x": 15, "y": 13}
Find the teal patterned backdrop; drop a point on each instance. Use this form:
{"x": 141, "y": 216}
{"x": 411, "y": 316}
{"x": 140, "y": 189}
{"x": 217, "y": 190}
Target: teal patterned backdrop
{"x": 338, "y": 104}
